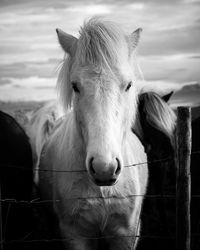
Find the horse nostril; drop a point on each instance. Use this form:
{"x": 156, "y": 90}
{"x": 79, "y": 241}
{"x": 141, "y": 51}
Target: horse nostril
{"x": 91, "y": 165}
{"x": 118, "y": 170}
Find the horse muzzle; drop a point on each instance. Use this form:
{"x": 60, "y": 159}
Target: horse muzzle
{"x": 104, "y": 173}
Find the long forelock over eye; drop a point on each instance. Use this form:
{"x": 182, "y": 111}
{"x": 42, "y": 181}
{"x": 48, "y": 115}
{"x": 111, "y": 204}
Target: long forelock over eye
{"x": 63, "y": 85}
{"x": 100, "y": 44}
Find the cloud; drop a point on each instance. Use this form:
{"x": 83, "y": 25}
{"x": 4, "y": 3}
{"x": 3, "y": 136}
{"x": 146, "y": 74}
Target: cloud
{"x": 92, "y": 9}
{"x": 195, "y": 56}
{"x": 181, "y": 68}
{"x": 18, "y": 3}
{"x": 4, "y": 81}
{"x": 158, "y": 86}
{"x": 33, "y": 82}
{"x": 24, "y": 94}
{"x": 171, "y": 41}
{"x": 62, "y": 3}
{"x": 191, "y": 1}
{"x": 25, "y": 69}
{"x": 193, "y": 87}
{"x": 169, "y": 44}
{"x": 28, "y": 89}
{"x": 188, "y": 95}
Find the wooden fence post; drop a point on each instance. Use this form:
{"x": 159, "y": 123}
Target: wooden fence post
{"x": 183, "y": 179}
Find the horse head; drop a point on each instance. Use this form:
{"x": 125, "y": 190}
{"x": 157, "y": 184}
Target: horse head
{"x": 98, "y": 80}
{"x": 155, "y": 125}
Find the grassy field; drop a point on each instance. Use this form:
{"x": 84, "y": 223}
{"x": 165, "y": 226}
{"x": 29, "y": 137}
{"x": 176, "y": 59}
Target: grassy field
{"x": 13, "y": 107}
{"x": 19, "y": 110}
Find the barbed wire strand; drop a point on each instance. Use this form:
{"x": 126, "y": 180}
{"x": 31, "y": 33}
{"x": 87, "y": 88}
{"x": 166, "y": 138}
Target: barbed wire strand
{"x": 110, "y": 197}
{"x": 95, "y": 238}
{"x": 90, "y": 198}
{"x": 88, "y": 238}
{"x": 37, "y": 201}
{"x": 195, "y": 152}
{"x": 84, "y": 170}
{"x": 91, "y": 238}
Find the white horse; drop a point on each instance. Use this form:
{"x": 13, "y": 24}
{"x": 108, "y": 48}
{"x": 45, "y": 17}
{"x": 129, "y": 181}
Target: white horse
{"x": 83, "y": 164}
{"x": 39, "y": 127}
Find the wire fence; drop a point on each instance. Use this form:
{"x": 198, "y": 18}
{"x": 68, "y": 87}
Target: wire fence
{"x": 39, "y": 201}
{"x": 81, "y": 170}
{"x": 84, "y": 170}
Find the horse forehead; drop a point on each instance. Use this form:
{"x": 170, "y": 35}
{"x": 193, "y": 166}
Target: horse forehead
{"x": 101, "y": 81}
{"x": 116, "y": 74}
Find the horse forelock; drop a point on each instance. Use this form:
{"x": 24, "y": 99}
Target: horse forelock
{"x": 63, "y": 84}
{"x": 101, "y": 43}
{"x": 102, "y": 48}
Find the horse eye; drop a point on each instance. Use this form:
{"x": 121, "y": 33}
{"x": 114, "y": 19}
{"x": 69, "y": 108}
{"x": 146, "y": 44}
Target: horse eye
{"x": 75, "y": 88}
{"x": 128, "y": 86}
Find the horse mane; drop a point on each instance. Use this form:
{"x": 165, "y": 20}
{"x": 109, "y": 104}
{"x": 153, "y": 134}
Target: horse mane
{"x": 102, "y": 45}
{"x": 63, "y": 84}
{"x": 101, "y": 42}
{"x": 154, "y": 113}
{"x": 43, "y": 119}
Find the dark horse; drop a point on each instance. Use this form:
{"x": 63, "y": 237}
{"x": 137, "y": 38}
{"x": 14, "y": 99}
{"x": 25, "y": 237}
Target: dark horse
{"x": 156, "y": 123}
{"x": 195, "y": 184}
{"x": 159, "y": 210}
{"x": 15, "y": 181}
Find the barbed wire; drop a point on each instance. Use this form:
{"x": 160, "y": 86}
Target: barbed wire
{"x": 38, "y": 201}
{"x": 94, "y": 238}
{"x": 35, "y": 201}
{"x": 88, "y": 238}
{"x": 84, "y": 170}
{"x": 75, "y": 171}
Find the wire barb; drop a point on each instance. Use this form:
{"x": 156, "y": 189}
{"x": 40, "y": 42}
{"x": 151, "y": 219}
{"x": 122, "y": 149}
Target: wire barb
{"x": 84, "y": 170}
{"x": 38, "y": 201}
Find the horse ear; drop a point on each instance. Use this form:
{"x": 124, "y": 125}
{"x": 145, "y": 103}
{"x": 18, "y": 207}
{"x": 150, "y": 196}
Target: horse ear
{"x": 134, "y": 38}
{"x": 67, "y": 42}
{"x": 167, "y": 96}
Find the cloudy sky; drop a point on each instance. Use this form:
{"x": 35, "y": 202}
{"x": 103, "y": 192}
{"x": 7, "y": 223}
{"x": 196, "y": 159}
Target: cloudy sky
{"x": 169, "y": 51}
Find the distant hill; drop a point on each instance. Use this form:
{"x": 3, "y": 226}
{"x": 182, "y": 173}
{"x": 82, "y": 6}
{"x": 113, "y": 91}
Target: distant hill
{"x": 12, "y": 107}
{"x": 19, "y": 110}
{"x": 188, "y": 95}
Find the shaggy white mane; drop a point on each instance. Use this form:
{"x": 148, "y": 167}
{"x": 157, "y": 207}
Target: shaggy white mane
{"x": 101, "y": 43}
